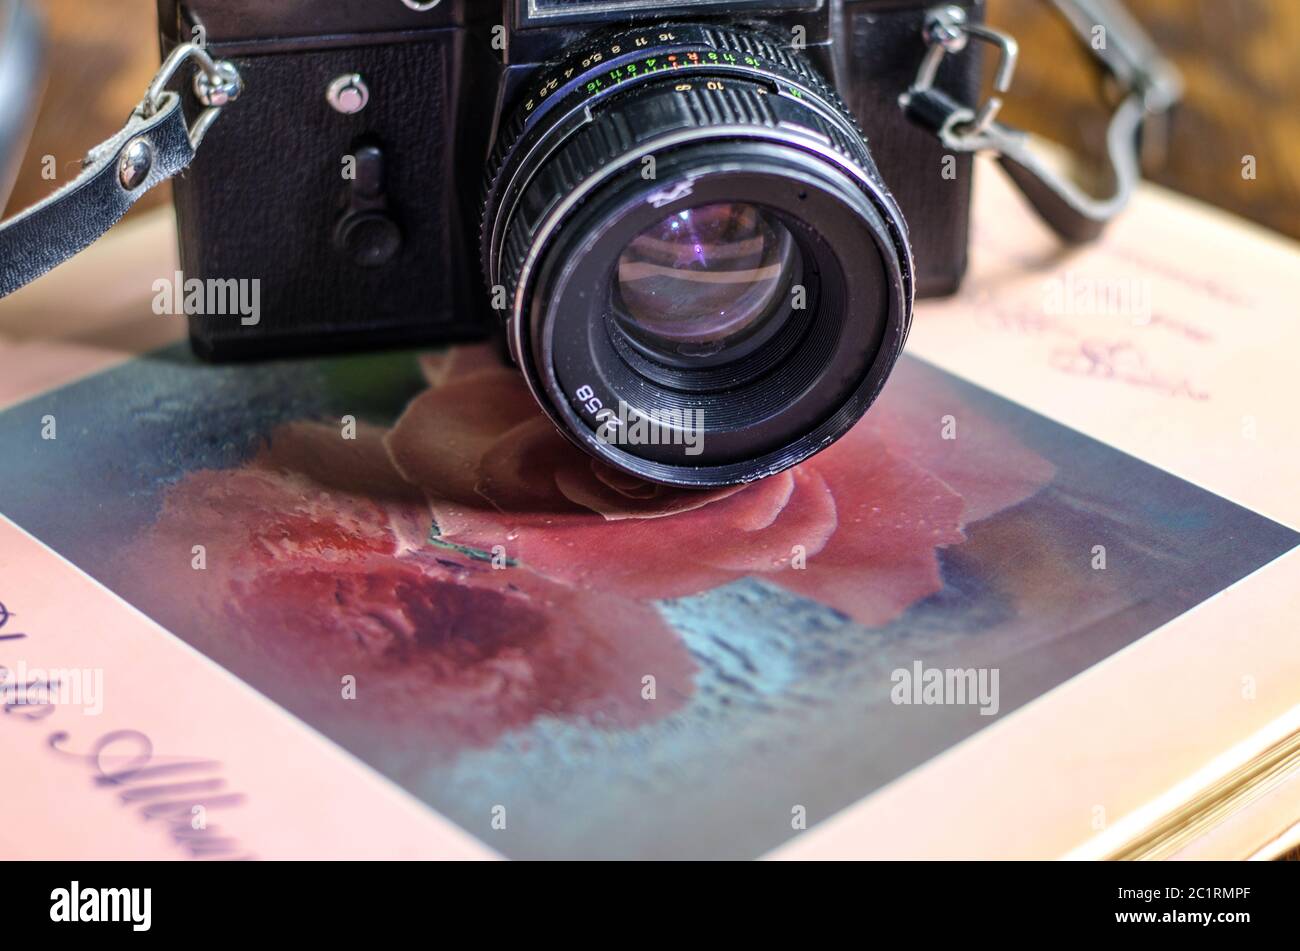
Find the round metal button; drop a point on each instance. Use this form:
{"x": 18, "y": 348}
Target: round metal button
{"x": 134, "y": 165}
{"x": 348, "y": 94}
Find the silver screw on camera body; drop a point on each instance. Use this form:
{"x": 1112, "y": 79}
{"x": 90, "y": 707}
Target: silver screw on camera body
{"x": 348, "y": 94}
{"x": 946, "y": 26}
{"x": 220, "y": 89}
{"x": 421, "y": 5}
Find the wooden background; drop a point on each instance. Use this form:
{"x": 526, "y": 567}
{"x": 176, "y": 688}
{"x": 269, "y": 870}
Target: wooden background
{"x": 1240, "y": 61}
{"x": 1239, "y": 58}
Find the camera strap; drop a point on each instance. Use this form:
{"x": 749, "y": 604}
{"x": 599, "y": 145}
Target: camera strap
{"x": 155, "y": 144}
{"x": 1149, "y": 87}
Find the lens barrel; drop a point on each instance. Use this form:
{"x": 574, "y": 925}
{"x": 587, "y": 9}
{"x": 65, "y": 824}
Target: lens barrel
{"x": 686, "y": 227}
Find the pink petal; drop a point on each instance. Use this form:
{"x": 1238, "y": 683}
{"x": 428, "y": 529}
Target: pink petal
{"x": 302, "y": 587}
{"x": 455, "y": 363}
{"x": 986, "y": 464}
{"x": 892, "y": 516}
{"x": 439, "y": 440}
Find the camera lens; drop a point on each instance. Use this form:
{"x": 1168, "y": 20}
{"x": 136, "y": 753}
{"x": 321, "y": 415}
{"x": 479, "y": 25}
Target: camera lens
{"x": 688, "y": 231}
{"x": 705, "y": 284}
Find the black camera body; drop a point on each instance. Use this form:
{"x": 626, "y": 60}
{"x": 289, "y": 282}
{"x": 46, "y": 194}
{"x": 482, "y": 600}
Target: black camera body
{"x": 268, "y": 199}
{"x": 348, "y": 180}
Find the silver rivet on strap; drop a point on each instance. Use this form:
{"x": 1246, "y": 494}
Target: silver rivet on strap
{"x": 136, "y": 162}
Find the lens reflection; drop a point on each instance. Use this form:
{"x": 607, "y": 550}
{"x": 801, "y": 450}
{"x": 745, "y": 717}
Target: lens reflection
{"x": 706, "y": 280}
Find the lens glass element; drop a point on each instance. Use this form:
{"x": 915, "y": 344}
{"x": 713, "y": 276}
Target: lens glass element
{"x": 709, "y": 281}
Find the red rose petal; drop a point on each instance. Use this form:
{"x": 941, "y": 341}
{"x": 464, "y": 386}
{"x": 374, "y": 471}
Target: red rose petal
{"x": 632, "y": 497}
{"x": 455, "y": 661}
{"x": 301, "y": 588}
{"x": 458, "y": 362}
{"x": 515, "y": 471}
{"x": 892, "y": 517}
{"x": 808, "y": 520}
{"x": 668, "y": 557}
{"x": 320, "y": 452}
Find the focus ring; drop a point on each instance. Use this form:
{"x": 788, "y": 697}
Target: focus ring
{"x": 659, "y": 112}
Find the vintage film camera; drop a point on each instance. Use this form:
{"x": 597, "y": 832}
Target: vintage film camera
{"x": 711, "y": 211}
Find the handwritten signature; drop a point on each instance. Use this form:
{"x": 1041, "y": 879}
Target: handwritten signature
{"x": 177, "y": 791}
{"x": 1123, "y": 363}
{"x": 1119, "y": 361}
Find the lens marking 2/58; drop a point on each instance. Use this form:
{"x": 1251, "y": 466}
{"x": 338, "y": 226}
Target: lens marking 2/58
{"x": 588, "y": 398}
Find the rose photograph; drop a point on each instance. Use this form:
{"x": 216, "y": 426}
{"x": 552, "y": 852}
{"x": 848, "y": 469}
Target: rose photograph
{"x": 404, "y": 553}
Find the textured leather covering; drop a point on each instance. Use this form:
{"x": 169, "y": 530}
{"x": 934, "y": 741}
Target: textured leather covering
{"x": 266, "y": 196}
{"x": 881, "y": 54}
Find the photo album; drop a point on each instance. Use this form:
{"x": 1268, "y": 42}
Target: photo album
{"x": 381, "y": 591}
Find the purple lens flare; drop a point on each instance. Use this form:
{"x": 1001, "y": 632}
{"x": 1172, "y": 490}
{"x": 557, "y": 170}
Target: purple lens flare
{"x": 705, "y": 278}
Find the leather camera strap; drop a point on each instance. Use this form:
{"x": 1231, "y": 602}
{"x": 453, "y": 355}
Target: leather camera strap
{"x": 117, "y": 173}
{"x": 1149, "y": 85}
{"x": 155, "y": 144}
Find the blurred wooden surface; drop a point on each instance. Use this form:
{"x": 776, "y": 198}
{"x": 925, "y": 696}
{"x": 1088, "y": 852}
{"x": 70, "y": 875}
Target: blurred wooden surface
{"x": 1239, "y": 59}
{"x": 102, "y": 57}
